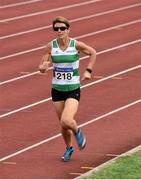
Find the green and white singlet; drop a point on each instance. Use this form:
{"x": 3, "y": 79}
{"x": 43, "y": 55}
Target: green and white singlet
{"x": 65, "y": 67}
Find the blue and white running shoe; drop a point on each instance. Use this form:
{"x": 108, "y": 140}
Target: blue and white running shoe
{"x": 67, "y": 154}
{"x": 80, "y": 138}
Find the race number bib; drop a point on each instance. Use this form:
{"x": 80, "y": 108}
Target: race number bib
{"x": 63, "y": 73}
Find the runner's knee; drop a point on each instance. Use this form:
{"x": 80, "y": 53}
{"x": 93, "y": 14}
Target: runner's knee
{"x": 66, "y": 122}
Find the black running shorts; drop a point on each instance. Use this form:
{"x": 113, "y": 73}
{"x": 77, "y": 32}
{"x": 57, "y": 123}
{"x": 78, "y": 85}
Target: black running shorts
{"x": 63, "y": 95}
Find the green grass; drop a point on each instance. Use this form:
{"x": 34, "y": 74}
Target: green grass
{"x": 126, "y": 167}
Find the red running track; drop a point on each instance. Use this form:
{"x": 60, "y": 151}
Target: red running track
{"x": 30, "y": 142}
{"x": 11, "y": 26}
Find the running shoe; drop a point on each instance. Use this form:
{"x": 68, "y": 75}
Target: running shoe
{"x": 67, "y": 154}
{"x": 80, "y": 138}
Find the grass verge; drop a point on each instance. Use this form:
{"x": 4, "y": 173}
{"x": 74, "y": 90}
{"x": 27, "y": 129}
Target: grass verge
{"x": 124, "y": 167}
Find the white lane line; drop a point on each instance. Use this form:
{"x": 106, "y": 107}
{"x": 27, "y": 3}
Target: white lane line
{"x": 73, "y": 20}
{"x": 22, "y": 52}
{"x": 25, "y": 107}
{"x": 20, "y": 77}
{"x": 101, "y": 52}
{"x": 111, "y": 11}
{"x": 82, "y": 125}
{"x": 19, "y": 4}
{"x": 111, "y": 76}
{"x": 84, "y": 86}
{"x": 110, "y": 113}
{"x": 77, "y": 37}
{"x": 48, "y": 11}
{"x": 109, "y": 29}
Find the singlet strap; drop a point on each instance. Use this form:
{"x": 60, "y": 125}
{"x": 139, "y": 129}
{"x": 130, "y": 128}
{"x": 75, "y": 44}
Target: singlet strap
{"x": 54, "y": 43}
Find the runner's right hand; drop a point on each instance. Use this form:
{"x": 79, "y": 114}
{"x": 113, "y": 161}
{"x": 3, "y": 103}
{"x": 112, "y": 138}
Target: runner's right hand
{"x": 44, "y": 67}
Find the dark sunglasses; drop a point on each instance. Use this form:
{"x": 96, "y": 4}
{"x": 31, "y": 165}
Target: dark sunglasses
{"x": 62, "y": 28}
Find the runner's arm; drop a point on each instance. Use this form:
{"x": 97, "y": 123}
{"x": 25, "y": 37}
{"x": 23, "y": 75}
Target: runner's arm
{"x": 44, "y": 65}
{"x": 82, "y": 47}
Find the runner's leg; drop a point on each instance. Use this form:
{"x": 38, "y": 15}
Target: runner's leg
{"x": 67, "y": 118}
{"x": 66, "y": 133}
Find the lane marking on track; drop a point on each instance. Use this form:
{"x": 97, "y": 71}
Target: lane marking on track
{"x": 98, "y": 53}
{"x": 88, "y": 168}
{"x": 98, "y": 77}
{"x": 9, "y": 163}
{"x": 113, "y": 155}
{"x": 73, "y": 20}
{"x": 75, "y": 173}
{"x": 20, "y": 77}
{"x": 82, "y": 125}
{"x": 117, "y": 78}
{"x": 101, "y": 166}
{"x": 19, "y": 4}
{"x": 77, "y": 37}
{"x": 48, "y": 11}
{"x": 109, "y": 29}
{"x": 84, "y": 86}
{"x": 24, "y": 72}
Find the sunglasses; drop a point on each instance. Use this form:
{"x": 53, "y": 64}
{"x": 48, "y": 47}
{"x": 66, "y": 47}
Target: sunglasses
{"x": 62, "y": 28}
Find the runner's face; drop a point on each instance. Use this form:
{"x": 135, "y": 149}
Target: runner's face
{"x": 61, "y": 30}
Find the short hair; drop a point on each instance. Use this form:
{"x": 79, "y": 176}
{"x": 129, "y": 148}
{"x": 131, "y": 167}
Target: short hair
{"x": 60, "y": 19}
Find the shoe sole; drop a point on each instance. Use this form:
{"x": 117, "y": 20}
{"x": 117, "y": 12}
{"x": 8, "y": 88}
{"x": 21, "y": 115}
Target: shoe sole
{"x": 64, "y": 160}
